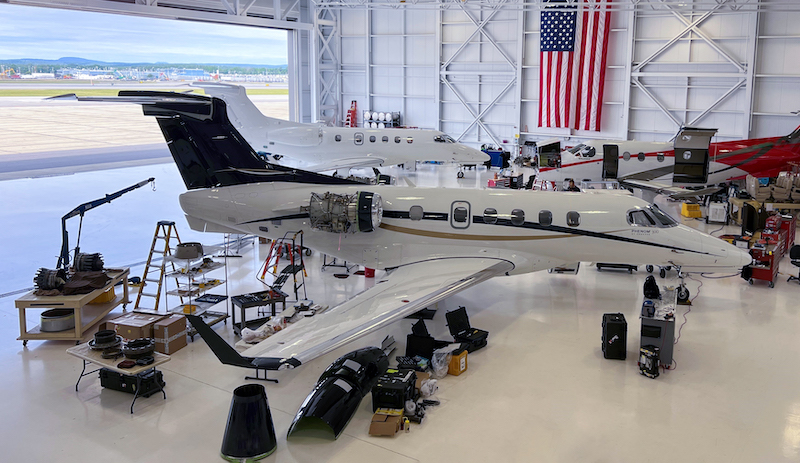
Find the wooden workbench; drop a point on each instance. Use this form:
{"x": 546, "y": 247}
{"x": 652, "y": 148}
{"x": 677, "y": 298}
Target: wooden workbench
{"x": 736, "y": 215}
{"x": 87, "y": 316}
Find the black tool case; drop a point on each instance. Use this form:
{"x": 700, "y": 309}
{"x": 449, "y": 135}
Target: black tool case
{"x": 458, "y": 324}
{"x": 152, "y": 382}
{"x": 615, "y": 336}
{"x": 421, "y": 343}
{"x": 393, "y": 389}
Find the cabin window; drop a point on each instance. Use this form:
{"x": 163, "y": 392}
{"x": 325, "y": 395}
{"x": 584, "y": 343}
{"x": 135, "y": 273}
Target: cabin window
{"x": 409, "y": 140}
{"x": 372, "y": 139}
{"x": 415, "y": 213}
{"x": 660, "y": 157}
{"x": 490, "y": 216}
{"x": 359, "y": 138}
{"x": 338, "y": 138}
{"x": 626, "y": 156}
{"x": 517, "y": 217}
{"x": 397, "y": 139}
{"x": 545, "y": 218}
{"x": 641, "y": 157}
{"x": 460, "y": 214}
{"x": 573, "y": 219}
{"x": 639, "y": 218}
{"x": 385, "y": 139}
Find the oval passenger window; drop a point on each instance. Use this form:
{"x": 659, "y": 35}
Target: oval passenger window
{"x": 545, "y": 218}
{"x": 517, "y": 217}
{"x": 490, "y": 216}
{"x": 573, "y": 219}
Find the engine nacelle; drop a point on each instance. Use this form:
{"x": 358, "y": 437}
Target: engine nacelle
{"x": 336, "y": 213}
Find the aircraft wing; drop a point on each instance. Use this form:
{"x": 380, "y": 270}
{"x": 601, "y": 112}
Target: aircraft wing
{"x": 403, "y": 291}
{"x": 654, "y": 188}
{"x": 348, "y": 163}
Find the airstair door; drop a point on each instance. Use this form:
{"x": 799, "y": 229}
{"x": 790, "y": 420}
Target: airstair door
{"x": 610, "y": 162}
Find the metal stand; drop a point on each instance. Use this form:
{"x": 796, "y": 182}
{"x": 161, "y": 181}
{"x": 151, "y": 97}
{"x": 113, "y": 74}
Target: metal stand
{"x": 138, "y": 381}
{"x": 259, "y": 378}
{"x": 325, "y": 264}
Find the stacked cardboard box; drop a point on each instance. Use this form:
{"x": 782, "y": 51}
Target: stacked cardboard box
{"x": 170, "y": 334}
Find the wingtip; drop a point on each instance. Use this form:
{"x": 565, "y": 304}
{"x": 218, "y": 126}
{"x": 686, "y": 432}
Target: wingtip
{"x": 66, "y": 96}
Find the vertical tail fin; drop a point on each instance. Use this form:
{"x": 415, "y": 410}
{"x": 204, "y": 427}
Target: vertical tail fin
{"x": 208, "y": 150}
{"x": 241, "y": 110}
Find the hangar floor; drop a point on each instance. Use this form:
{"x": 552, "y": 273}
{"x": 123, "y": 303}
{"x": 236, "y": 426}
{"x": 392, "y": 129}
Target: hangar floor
{"x": 541, "y": 391}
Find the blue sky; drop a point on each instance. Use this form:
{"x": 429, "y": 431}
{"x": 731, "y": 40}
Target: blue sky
{"x": 46, "y": 33}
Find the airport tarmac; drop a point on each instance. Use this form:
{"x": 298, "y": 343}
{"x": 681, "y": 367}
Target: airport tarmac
{"x": 47, "y": 137}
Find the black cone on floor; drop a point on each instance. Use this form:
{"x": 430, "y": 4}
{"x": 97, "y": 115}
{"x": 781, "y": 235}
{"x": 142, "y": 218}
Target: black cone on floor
{"x": 249, "y": 434}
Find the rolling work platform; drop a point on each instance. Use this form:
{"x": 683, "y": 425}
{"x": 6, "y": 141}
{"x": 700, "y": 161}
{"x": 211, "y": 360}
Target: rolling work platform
{"x": 289, "y": 247}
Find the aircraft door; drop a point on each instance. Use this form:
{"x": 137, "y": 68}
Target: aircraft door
{"x": 460, "y": 215}
{"x": 610, "y": 161}
{"x": 358, "y": 138}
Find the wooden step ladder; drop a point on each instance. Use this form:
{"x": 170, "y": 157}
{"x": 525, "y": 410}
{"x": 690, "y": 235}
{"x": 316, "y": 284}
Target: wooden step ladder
{"x": 154, "y": 273}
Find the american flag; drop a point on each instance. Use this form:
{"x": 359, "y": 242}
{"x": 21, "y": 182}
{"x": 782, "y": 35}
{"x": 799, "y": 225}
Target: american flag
{"x": 574, "y": 40}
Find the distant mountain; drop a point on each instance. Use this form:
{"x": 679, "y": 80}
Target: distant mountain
{"x": 74, "y": 61}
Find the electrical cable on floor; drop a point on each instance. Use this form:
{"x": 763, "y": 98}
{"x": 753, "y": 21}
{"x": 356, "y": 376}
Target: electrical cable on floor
{"x": 721, "y": 277}
{"x": 688, "y": 308}
{"x": 718, "y": 229}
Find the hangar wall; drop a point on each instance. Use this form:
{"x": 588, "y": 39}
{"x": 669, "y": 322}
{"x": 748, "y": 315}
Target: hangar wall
{"x": 472, "y": 70}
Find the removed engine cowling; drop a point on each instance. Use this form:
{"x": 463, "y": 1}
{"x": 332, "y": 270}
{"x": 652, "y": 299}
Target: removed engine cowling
{"x": 339, "y": 391}
{"x": 337, "y": 213}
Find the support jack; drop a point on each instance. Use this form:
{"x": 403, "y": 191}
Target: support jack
{"x": 257, "y": 377}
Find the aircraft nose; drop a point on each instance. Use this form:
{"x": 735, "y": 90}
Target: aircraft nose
{"x": 474, "y": 154}
{"x": 736, "y": 257}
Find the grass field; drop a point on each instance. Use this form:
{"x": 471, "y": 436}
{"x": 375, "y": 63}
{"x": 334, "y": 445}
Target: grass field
{"x": 47, "y": 92}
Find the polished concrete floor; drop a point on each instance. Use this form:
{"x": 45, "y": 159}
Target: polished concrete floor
{"x": 541, "y": 391}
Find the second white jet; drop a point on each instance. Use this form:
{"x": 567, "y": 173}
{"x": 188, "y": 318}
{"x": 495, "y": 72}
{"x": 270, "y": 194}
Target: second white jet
{"x": 320, "y": 148}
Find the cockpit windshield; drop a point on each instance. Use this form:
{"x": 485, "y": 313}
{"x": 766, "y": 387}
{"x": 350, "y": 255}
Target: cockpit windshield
{"x": 650, "y": 216}
{"x": 583, "y": 150}
{"x": 443, "y": 139}
{"x": 576, "y": 149}
{"x": 662, "y": 217}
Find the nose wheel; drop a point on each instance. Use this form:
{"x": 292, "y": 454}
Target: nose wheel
{"x": 460, "y": 173}
{"x": 683, "y": 291}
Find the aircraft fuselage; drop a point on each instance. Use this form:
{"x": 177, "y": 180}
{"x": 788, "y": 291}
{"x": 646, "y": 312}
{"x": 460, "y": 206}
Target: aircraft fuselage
{"x": 419, "y": 224}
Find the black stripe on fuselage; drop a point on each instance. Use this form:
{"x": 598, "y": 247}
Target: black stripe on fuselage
{"x": 577, "y": 231}
{"x": 478, "y": 219}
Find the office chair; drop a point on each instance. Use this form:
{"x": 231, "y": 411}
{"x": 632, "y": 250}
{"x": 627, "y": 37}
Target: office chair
{"x": 794, "y": 255}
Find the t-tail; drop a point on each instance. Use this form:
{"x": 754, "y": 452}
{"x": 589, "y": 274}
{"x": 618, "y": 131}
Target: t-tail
{"x": 241, "y": 110}
{"x": 208, "y": 150}
{"x": 228, "y": 355}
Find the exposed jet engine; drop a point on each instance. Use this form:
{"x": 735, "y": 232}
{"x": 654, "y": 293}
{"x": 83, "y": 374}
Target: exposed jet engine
{"x": 337, "y": 213}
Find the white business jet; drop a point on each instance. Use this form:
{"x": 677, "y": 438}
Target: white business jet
{"x": 655, "y": 165}
{"x": 320, "y": 148}
{"x": 433, "y": 242}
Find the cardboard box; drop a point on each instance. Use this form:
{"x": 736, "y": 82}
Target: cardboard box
{"x": 458, "y": 363}
{"x": 170, "y": 334}
{"x": 421, "y": 376}
{"x": 385, "y": 425}
{"x": 136, "y": 325}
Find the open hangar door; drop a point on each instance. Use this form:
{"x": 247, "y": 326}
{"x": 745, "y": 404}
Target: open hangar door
{"x": 293, "y": 16}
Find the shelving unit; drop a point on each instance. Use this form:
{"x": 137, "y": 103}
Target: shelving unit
{"x": 86, "y": 315}
{"x": 191, "y": 270}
